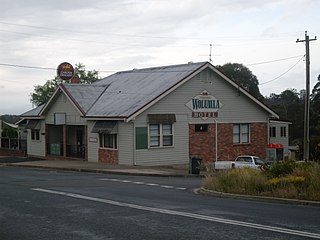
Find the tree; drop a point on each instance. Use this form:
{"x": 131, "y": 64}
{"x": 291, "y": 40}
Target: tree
{"x": 315, "y": 108}
{"x": 241, "y": 75}
{"x": 42, "y": 93}
{"x": 315, "y": 121}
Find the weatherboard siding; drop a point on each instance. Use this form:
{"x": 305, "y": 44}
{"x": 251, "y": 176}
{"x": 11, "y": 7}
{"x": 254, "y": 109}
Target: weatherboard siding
{"x": 284, "y": 140}
{"x": 93, "y": 143}
{"x": 237, "y": 108}
{"x": 125, "y": 143}
{"x": 37, "y": 148}
{"x": 177, "y": 154}
{"x": 63, "y": 105}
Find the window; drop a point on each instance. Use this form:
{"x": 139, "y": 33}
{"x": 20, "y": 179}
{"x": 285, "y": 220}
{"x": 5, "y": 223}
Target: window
{"x": 283, "y": 131}
{"x": 160, "y": 135}
{"x": 201, "y": 127}
{"x": 35, "y": 134}
{"x": 108, "y": 141}
{"x": 272, "y": 131}
{"x": 241, "y": 133}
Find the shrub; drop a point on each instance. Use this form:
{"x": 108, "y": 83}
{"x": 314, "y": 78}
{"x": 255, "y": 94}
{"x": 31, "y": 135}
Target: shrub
{"x": 282, "y": 182}
{"x": 279, "y": 169}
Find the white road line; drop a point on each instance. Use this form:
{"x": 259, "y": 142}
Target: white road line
{"x": 125, "y": 181}
{"x": 152, "y": 184}
{"x": 139, "y": 183}
{"x": 184, "y": 214}
{"x": 164, "y": 186}
{"x": 181, "y": 188}
{"x": 143, "y": 183}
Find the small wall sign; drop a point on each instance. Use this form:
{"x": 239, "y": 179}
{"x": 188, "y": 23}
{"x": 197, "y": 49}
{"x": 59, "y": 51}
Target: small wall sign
{"x": 93, "y": 140}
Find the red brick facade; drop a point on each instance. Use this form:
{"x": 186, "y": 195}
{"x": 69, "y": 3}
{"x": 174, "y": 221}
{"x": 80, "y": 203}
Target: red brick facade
{"x": 203, "y": 144}
{"x": 109, "y": 156}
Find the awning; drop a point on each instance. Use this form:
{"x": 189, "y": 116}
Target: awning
{"x": 105, "y": 127}
{"x": 32, "y": 124}
{"x": 275, "y": 145}
{"x": 161, "y": 118}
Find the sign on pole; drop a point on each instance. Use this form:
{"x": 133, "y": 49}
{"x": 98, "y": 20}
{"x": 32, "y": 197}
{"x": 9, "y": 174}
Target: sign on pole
{"x": 65, "y": 71}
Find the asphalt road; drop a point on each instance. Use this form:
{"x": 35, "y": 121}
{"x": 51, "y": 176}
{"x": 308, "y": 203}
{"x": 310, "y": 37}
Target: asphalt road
{"x": 42, "y": 204}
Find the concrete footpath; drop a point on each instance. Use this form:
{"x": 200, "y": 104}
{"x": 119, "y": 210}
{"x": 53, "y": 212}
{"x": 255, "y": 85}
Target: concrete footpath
{"x": 83, "y": 166}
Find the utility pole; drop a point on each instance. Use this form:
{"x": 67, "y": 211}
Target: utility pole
{"x": 306, "y": 138}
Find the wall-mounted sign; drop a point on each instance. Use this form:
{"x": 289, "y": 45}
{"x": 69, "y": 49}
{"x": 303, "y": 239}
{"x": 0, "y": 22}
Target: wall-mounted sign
{"x": 204, "y": 106}
{"x": 93, "y": 140}
{"x": 65, "y": 71}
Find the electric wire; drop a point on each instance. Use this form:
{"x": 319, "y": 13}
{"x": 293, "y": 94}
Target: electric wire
{"x": 284, "y": 72}
{"x": 272, "y": 61}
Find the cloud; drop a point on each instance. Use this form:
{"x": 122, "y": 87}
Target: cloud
{"x": 125, "y": 34}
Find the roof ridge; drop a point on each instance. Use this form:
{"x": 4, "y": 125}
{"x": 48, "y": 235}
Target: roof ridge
{"x": 161, "y": 67}
{"x": 105, "y": 88}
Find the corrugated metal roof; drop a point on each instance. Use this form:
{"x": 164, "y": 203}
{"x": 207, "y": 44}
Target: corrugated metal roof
{"x": 33, "y": 112}
{"x": 124, "y": 94}
{"x": 131, "y": 90}
{"x": 84, "y": 95}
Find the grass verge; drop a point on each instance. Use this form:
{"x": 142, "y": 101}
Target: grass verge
{"x": 283, "y": 180}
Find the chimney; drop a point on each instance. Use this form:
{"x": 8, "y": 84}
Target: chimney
{"x": 75, "y": 79}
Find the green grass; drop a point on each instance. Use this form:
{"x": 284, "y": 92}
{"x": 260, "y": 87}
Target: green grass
{"x": 284, "y": 180}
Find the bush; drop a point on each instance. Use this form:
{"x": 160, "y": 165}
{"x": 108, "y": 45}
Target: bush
{"x": 280, "y": 169}
{"x": 282, "y": 182}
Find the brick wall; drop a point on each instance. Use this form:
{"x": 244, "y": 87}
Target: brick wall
{"x": 109, "y": 156}
{"x": 203, "y": 145}
{"x": 10, "y": 152}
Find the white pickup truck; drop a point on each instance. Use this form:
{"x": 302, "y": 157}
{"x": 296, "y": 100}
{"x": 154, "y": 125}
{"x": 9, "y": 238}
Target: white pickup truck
{"x": 240, "y": 162}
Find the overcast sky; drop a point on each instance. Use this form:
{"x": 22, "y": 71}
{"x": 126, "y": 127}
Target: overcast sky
{"x": 116, "y": 35}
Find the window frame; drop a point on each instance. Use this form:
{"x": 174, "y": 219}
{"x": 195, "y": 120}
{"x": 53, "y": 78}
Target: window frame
{"x": 161, "y": 135}
{"x": 240, "y": 133}
{"x": 102, "y": 141}
{"x": 35, "y": 134}
{"x": 273, "y": 131}
{"x": 283, "y": 131}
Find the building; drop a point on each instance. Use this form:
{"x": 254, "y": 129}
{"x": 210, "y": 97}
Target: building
{"x": 153, "y": 116}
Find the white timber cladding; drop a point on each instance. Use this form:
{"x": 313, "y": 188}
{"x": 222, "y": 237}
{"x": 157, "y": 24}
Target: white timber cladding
{"x": 126, "y": 141}
{"x": 37, "y": 147}
{"x": 284, "y": 140}
{"x": 63, "y": 105}
{"x": 237, "y": 108}
{"x": 176, "y": 154}
{"x": 93, "y": 143}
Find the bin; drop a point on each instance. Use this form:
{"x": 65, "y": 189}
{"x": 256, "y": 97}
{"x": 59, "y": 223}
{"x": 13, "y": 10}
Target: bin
{"x": 195, "y": 164}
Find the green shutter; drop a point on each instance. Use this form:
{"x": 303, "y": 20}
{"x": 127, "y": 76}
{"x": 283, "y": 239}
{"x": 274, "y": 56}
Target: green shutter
{"x": 141, "y": 138}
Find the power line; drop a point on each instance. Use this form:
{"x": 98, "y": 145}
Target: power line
{"x": 283, "y": 73}
{"x": 276, "y": 60}
{"x": 24, "y": 66}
